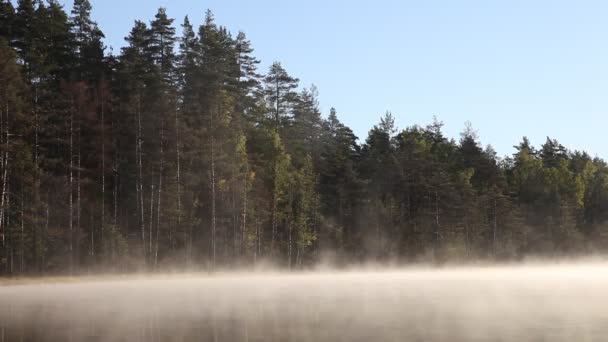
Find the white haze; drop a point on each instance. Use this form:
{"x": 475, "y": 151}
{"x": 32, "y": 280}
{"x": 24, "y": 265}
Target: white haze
{"x": 557, "y": 302}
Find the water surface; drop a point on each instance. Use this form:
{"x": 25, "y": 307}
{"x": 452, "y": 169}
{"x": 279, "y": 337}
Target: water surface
{"x": 531, "y": 303}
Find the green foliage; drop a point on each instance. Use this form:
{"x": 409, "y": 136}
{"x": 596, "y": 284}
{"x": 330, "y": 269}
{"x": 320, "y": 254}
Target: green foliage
{"x": 188, "y": 156}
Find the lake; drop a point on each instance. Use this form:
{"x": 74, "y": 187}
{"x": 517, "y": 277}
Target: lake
{"x": 540, "y": 302}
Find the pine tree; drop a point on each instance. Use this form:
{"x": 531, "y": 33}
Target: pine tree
{"x": 377, "y": 165}
{"x": 87, "y": 41}
{"x": 306, "y": 127}
{"x": 279, "y": 90}
{"x": 7, "y": 18}
{"x": 135, "y": 68}
{"x": 161, "y": 45}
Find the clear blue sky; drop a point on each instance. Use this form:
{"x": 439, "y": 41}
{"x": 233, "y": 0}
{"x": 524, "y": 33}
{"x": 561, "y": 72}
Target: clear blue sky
{"x": 512, "y": 68}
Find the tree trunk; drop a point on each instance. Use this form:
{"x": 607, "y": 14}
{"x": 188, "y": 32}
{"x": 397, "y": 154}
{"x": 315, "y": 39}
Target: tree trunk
{"x": 191, "y": 230}
{"x": 244, "y": 213}
{"x": 278, "y": 109}
{"x": 160, "y": 190}
{"x": 467, "y": 244}
{"x": 178, "y": 161}
{"x": 115, "y": 194}
{"x": 71, "y": 189}
{"x": 3, "y": 235}
{"x": 78, "y": 188}
{"x": 289, "y": 229}
{"x": 213, "y": 194}
{"x": 92, "y": 238}
{"x": 151, "y": 220}
{"x": 46, "y": 230}
{"x": 273, "y": 212}
{"x": 115, "y": 201}
{"x": 257, "y": 246}
{"x": 7, "y": 217}
{"x": 36, "y": 207}
{"x": 5, "y": 179}
{"x": 22, "y": 233}
{"x": 235, "y": 223}
{"x": 494, "y": 230}
{"x": 437, "y": 227}
{"x": 141, "y": 179}
{"x": 103, "y": 168}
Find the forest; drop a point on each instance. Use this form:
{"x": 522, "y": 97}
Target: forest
{"x": 178, "y": 153}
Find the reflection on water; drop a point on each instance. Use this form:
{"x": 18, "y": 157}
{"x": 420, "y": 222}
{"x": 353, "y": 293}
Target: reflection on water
{"x": 538, "y": 303}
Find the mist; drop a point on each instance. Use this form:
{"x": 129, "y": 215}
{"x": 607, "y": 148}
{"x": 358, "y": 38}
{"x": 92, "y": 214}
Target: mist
{"x": 174, "y": 190}
{"x": 536, "y": 302}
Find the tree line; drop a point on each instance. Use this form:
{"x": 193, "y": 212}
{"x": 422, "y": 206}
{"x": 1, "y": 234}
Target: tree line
{"x": 177, "y": 152}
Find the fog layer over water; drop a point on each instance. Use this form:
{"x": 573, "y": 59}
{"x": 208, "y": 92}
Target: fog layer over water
{"x": 531, "y": 303}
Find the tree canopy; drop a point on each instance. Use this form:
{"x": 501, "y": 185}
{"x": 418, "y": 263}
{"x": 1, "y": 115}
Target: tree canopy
{"x": 178, "y": 152}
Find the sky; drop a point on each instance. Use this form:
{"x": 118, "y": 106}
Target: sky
{"x": 512, "y": 68}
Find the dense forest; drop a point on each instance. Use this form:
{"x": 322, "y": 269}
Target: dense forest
{"x": 178, "y": 153}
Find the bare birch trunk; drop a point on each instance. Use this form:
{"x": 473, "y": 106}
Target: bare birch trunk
{"x": 467, "y": 245}
{"x": 7, "y": 217}
{"x": 22, "y": 237}
{"x": 213, "y": 195}
{"x": 244, "y": 213}
{"x": 138, "y": 206}
{"x": 3, "y": 235}
{"x": 191, "y": 225}
{"x": 151, "y": 220}
{"x": 103, "y": 169}
{"x": 258, "y": 241}
{"x": 160, "y": 190}
{"x": 273, "y": 216}
{"x": 78, "y": 192}
{"x": 141, "y": 180}
{"x": 46, "y": 229}
{"x": 115, "y": 194}
{"x": 256, "y": 245}
{"x": 5, "y": 166}
{"x": 92, "y": 224}
{"x": 494, "y": 230}
{"x": 36, "y": 186}
{"x": 290, "y": 246}
{"x": 179, "y": 194}
{"x": 437, "y": 228}
{"x": 115, "y": 200}
{"x": 92, "y": 238}
{"x": 70, "y": 187}
{"x": 235, "y": 224}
